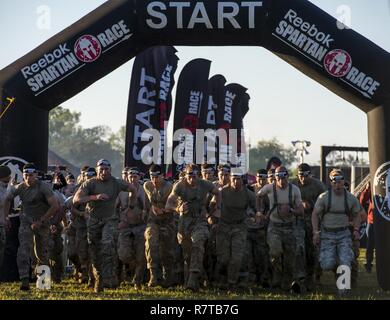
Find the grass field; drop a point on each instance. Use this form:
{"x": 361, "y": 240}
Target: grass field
{"x": 69, "y": 290}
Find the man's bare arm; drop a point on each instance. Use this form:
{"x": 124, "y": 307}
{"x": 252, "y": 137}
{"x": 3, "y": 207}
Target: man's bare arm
{"x": 171, "y": 204}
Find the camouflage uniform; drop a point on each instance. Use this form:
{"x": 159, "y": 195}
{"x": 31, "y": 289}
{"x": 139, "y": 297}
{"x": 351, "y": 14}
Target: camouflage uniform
{"x": 56, "y": 245}
{"x": 232, "y": 231}
{"x": 83, "y": 247}
{"x": 211, "y": 244}
{"x": 193, "y": 229}
{"x": 306, "y": 258}
{"x": 336, "y": 239}
{"x": 34, "y": 207}
{"x": 131, "y": 242}
{"x": 280, "y": 234}
{"x": 73, "y": 256}
{"x": 256, "y": 260}
{"x": 160, "y": 233}
{"x": 102, "y": 225}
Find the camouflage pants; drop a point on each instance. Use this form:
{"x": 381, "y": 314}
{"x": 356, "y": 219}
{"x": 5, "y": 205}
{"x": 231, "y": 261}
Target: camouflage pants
{"x": 131, "y": 250}
{"x": 211, "y": 254}
{"x": 56, "y": 247}
{"x": 28, "y": 240}
{"x": 257, "y": 255}
{"x": 282, "y": 246}
{"x": 101, "y": 233}
{"x": 312, "y": 263}
{"x": 300, "y": 252}
{"x": 72, "y": 246}
{"x": 336, "y": 249}
{"x": 82, "y": 244}
{"x": 2, "y": 244}
{"x": 159, "y": 244}
{"x": 192, "y": 236}
{"x": 231, "y": 241}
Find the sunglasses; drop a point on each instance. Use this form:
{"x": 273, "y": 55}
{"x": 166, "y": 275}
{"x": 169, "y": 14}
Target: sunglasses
{"x": 304, "y": 173}
{"x": 103, "y": 163}
{"x": 135, "y": 173}
{"x": 90, "y": 174}
{"x": 29, "y": 171}
{"x": 192, "y": 174}
{"x": 262, "y": 176}
{"x": 281, "y": 175}
{"x": 337, "y": 179}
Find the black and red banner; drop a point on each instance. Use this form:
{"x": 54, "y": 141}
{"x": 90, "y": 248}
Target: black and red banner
{"x": 208, "y": 119}
{"x": 191, "y": 98}
{"x": 150, "y": 105}
{"x": 230, "y": 117}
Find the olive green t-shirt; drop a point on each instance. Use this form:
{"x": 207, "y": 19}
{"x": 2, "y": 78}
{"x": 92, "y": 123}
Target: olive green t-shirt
{"x": 235, "y": 204}
{"x": 336, "y": 217}
{"x": 282, "y": 197}
{"x": 112, "y": 187}
{"x": 195, "y": 197}
{"x": 34, "y": 198}
{"x": 310, "y": 191}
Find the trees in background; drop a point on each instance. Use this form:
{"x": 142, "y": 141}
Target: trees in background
{"x": 265, "y": 150}
{"x": 84, "y": 146}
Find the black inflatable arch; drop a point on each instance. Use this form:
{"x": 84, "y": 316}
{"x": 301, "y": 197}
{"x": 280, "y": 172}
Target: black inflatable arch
{"x": 296, "y": 30}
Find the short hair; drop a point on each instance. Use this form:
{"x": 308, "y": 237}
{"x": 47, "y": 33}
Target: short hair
{"x": 304, "y": 167}
{"x": 155, "y": 168}
{"x": 261, "y": 171}
{"x": 191, "y": 168}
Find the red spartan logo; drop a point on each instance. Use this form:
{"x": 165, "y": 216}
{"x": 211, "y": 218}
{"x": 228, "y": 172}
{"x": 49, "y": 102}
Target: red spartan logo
{"x": 338, "y": 63}
{"x": 87, "y": 48}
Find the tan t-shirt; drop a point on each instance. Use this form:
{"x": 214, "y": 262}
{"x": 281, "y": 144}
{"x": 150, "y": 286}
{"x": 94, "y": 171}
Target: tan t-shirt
{"x": 112, "y": 187}
{"x": 195, "y": 197}
{"x": 34, "y": 198}
{"x": 279, "y": 214}
{"x": 336, "y": 216}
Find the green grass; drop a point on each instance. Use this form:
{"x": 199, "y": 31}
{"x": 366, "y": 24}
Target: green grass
{"x": 367, "y": 289}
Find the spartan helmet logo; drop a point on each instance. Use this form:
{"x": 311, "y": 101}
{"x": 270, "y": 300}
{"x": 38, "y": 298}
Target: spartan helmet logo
{"x": 87, "y": 48}
{"x": 338, "y": 63}
{"x": 16, "y": 166}
{"x": 381, "y": 190}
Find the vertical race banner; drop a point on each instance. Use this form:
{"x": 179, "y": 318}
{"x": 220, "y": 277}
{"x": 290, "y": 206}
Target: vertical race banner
{"x": 242, "y": 157}
{"x": 230, "y": 117}
{"x": 150, "y": 105}
{"x": 208, "y": 118}
{"x": 191, "y": 97}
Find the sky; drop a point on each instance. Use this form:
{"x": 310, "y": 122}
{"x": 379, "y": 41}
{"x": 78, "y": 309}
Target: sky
{"x": 285, "y": 104}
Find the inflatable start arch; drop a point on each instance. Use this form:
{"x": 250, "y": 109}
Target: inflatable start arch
{"x": 297, "y": 31}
